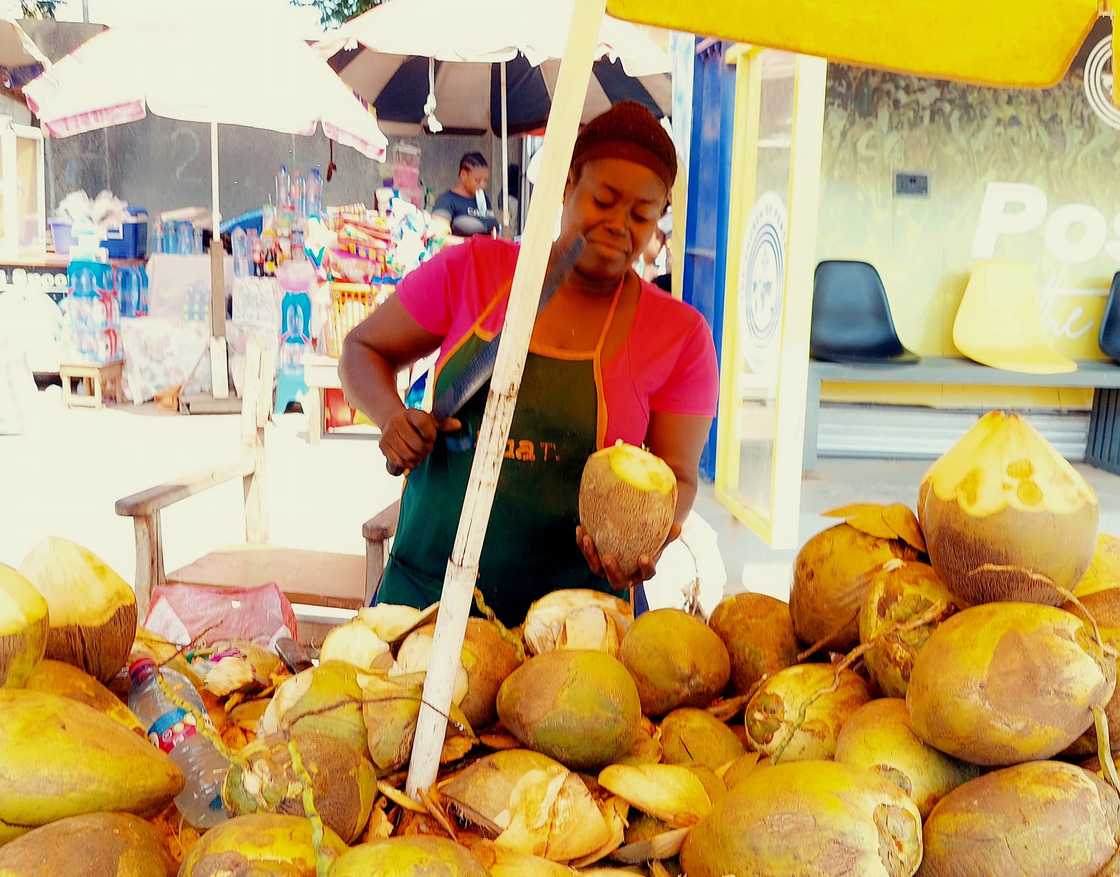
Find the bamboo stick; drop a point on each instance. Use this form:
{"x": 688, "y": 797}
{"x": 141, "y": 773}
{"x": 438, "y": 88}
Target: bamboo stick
{"x": 462, "y": 568}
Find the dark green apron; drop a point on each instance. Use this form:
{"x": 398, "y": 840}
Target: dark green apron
{"x": 530, "y": 546}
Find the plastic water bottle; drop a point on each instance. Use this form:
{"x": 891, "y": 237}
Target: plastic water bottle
{"x": 283, "y": 188}
{"x": 240, "y": 244}
{"x": 174, "y": 731}
{"x": 315, "y": 192}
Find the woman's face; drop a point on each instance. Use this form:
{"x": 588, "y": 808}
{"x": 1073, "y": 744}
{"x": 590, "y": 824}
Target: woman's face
{"x": 615, "y": 204}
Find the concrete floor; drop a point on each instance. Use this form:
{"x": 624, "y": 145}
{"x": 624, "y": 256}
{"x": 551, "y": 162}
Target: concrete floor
{"x": 63, "y": 476}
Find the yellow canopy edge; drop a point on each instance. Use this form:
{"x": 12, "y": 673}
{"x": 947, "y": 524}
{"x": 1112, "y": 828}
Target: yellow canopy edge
{"x": 1027, "y": 43}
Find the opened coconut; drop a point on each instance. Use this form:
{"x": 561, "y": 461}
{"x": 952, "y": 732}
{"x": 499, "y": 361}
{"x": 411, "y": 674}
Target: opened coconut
{"x": 1104, "y": 570}
{"x": 326, "y": 698}
{"x": 110, "y": 844}
{"x": 797, "y": 714}
{"x": 23, "y": 628}
{"x": 61, "y": 758}
{"x": 696, "y": 736}
{"x": 416, "y": 856}
{"x": 627, "y": 502}
{"x": 829, "y": 586}
{"x": 343, "y": 783}
{"x": 577, "y": 618}
{"x": 676, "y": 660}
{"x": 878, "y": 737}
{"x": 1006, "y": 517}
{"x": 260, "y": 844}
{"x": 808, "y": 819}
{"x": 92, "y": 609}
{"x": 758, "y": 632}
{"x": 356, "y": 644}
{"x": 579, "y": 707}
{"x": 1039, "y": 819}
{"x": 1004, "y": 683}
{"x": 668, "y": 792}
{"x": 65, "y": 680}
{"x": 905, "y": 602}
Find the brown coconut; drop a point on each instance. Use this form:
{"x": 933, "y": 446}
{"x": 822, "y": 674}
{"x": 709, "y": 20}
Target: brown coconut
{"x": 1004, "y": 683}
{"x": 878, "y": 737}
{"x": 23, "y": 627}
{"x": 343, "y": 782}
{"x": 110, "y": 844}
{"x": 808, "y": 819}
{"x": 899, "y": 593}
{"x": 1039, "y": 819}
{"x": 1006, "y": 517}
{"x": 758, "y": 632}
{"x": 627, "y": 503}
{"x": 695, "y": 736}
{"x": 676, "y": 660}
{"x": 66, "y": 680}
{"x": 416, "y": 856}
{"x": 797, "y": 714}
{"x": 579, "y": 707}
{"x": 92, "y": 609}
{"x": 260, "y": 844}
{"x": 828, "y": 584}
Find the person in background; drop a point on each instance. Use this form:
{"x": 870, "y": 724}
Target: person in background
{"x": 460, "y": 206}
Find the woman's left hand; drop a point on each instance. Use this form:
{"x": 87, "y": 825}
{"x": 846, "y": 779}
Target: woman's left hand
{"x": 607, "y": 566}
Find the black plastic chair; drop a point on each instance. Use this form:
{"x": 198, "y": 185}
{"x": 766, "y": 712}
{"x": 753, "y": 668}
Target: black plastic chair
{"x": 852, "y": 317}
{"x": 1110, "y": 322}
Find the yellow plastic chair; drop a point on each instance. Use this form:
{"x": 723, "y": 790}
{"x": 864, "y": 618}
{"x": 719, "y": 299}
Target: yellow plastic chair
{"x": 999, "y": 322}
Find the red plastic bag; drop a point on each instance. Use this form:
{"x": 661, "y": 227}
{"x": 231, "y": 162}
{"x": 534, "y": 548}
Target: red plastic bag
{"x": 199, "y": 614}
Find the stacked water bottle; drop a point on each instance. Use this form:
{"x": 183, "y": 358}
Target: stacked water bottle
{"x": 179, "y": 237}
{"x": 93, "y": 306}
{"x": 281, "y": 239}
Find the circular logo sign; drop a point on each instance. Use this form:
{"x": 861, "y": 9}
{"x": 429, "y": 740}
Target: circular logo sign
{"x": 762, "y": 283}
{"x": 1098, "y": 83}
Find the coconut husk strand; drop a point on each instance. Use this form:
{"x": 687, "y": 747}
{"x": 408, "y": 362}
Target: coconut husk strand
{"x": 828, "y": 576}
{"x": 627, "y": 503}
{"x": 1004, "y": 683}
{"x": 113, "y": 844}
{"x": 758, "y": 632}
{"x": 1006, "y": 517}
{"x": 92, "y": 610}
{"x": 23, "y": 627}
{"x": 808, "y": 819}
{"x": 261, "y": 844}
{"x": 1038, "y": 819}
{"x": 577, "y": 618}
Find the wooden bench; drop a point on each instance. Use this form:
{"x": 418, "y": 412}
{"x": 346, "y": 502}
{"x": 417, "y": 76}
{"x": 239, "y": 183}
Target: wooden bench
{"x": 1103, "y": 450}
{"x": 102, "y": 382}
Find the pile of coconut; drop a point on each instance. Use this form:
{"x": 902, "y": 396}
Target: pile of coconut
{"x": 937, "y": 698}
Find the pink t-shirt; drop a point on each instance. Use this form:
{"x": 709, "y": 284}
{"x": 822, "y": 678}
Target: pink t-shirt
{"x": 667, "y": 363}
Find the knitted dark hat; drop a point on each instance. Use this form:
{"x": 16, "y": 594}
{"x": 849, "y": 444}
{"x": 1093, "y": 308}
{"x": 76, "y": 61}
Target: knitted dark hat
{"x": 628, "y": 131}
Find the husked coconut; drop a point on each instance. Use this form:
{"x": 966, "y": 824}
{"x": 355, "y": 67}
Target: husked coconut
{"x": 1039, "y": 819}
{"x": 1004, "y": 683}
{"x": 676, "y": 660}
{"x": 326, "y": 698}
{"x": 260, "y": 844}
{"x": 577, "y": 618}
{"x": 1006, "y": 517}
{"x": 758, "y": 632}
{"x": 92, "y": 610}
{"x": 416, "y": 856}
{"x": 23, "y": 627}
{"x": 696, "y": 736}
{"x": 829, "y": 586}
{"x": 900, "y": 593}
{"x": 808, "y": 819}
{"x": 66, "y": 680}
{"x": 110, "y": 844}
{"x": 579, "y": 707}
{"x": 627, "y": 502}
{"x": 878, "y": 737}
{"x": 797, "y": 713}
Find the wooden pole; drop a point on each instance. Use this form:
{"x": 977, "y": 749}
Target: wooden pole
{"x": 462, "y": 568}
{"x": 505, "y": 153}
{"x": 219, "y": 374}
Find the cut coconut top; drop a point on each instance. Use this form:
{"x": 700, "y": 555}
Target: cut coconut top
{"x": 894, "y": 521}
{"x": 20, "y": 604}
{"x": 1004, "y": 462}
{"x": 640, "y": 469}
{"x": 79, "y": 587}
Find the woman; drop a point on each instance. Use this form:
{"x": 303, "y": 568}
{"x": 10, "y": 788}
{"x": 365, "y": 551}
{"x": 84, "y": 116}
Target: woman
{"x": 611, "y": 358}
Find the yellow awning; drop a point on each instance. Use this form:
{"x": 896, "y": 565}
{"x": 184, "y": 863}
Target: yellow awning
{"x": 1027, "y": 43}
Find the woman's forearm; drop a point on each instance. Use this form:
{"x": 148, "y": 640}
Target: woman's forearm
{"x": 686, "y": 496}
{"x": 369, "y": 381}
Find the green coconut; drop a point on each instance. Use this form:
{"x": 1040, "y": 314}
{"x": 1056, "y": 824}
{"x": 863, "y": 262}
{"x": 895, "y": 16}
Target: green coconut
{"x": 109, "y": 844}
{"x": 696, "y": 736}
{"x": 262, "y": 842}
{"x": 758, "y": 632}
{"x": 579, "y": 707}
{"x": 415, "y": 856}
{"x": 676, "y": 660}
{"x": 1003, "y": 683}
{"x": 23, "y": 628}
{"x": 66, "y": 680}
{"x": 326, "y": 698}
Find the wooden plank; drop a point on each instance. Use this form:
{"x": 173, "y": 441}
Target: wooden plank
{"x": 950, "y": 370}
{"x": 210, "y": 405}
{"x": 149, "y": 501}
{"x": 149, "y": 560}
{"x": 462, "y": 568}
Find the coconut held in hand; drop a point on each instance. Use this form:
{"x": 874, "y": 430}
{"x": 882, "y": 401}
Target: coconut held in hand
{"x": 627, "y": 501}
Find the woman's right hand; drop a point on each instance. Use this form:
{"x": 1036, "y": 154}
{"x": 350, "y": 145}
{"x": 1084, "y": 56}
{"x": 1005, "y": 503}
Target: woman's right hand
{"x": 409, "y": 436}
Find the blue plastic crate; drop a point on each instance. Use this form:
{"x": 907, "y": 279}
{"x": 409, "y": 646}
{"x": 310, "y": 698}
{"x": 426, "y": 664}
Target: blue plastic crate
{"x": 130, "y": 239}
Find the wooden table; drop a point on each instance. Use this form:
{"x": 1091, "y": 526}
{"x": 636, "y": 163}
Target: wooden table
{"x": 101, "y": 381}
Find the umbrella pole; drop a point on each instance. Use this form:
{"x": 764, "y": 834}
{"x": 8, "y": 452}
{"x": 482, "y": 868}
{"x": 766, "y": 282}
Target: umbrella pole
{"x": 219, "y": 373}
{"x": 505, "y": 152}
{"x": 462, "y": 568}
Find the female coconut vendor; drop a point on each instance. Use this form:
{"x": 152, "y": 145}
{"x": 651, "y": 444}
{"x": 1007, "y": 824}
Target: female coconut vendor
{"x": 611, "y": 357}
